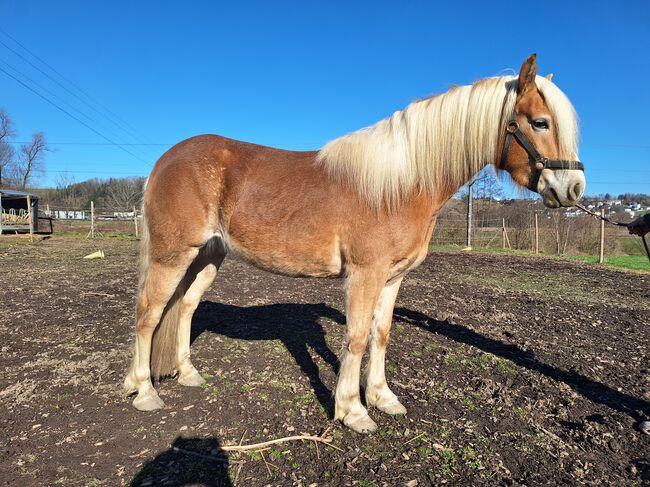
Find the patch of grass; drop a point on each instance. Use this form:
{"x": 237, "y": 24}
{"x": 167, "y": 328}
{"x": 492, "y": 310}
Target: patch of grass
{"x": 139, "y": 431}
{"x": 254, "y": 455}
{"x": 507, "y": 366}
{"x": 365, "y": 483}
{"x": 305, "y": 399}
{"x": 440, "y": 432}
{"x": 480, "y": 438}
{"x": 634, "y": 262}
{"x": 431, "y": 347}
{"x": 470, "y": 456}
{"x": 469, "y": 404}
{"x": 425, "y": 451}
{"x": 63, "y": 396}
{"x": 448, "y": 464}
{"x": 276, "y": 454}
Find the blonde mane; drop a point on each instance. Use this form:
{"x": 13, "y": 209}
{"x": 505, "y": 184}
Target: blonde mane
{"x": 439, "y": 141}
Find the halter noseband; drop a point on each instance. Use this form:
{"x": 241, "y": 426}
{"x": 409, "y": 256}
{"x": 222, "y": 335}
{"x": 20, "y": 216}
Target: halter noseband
{"x": 538, "y": 163}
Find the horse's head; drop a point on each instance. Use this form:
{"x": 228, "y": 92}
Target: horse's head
{"x": 539, "y": 140}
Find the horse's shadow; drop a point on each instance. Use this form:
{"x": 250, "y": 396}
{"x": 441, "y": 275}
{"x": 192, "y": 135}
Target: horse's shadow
{"x": 588, "y": 388}
{"x": 297, "y": 326}
{"x": 189, "y": 461}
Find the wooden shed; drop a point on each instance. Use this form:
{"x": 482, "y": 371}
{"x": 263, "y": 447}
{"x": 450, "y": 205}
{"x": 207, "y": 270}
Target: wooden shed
{"x": 15, "y": 211}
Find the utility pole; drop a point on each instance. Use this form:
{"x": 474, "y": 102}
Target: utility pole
{"x": 470, "y": 197}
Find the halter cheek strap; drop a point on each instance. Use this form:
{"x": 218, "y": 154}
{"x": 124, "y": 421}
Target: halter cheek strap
{"x": 538, "y": 162}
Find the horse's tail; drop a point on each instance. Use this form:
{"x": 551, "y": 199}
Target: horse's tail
{"x": 164, "y": 346}
{"x": 164, "y": 343}
{"x": 165, "y": 337}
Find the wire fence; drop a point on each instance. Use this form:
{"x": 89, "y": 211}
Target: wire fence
{"x": 539, "y": 232}
{"x": 91, "y": 221}
{"x": 493, "y": 226}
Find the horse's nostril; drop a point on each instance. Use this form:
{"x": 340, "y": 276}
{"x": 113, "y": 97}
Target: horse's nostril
{"x": 575, "y": 191}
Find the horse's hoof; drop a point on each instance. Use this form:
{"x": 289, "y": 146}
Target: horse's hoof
{"x": 393, "y": 408}
{"x": 148, "y": 402}
{"x": 193, "y": 379}
{"x": 361, "y": 424}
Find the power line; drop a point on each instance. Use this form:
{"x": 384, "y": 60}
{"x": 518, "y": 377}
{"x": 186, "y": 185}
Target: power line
{"x": 74, "y": 85}
{"x": 626, "y": 146}
{"x": 65, "y": 171}
{"x": 71, "y": 83}
{"x": 73, "y": 117}
{"x": 103, "y": 127}
{"x": 96, "y": 144}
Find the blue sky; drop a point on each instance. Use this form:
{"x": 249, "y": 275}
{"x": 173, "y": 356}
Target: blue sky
{"x": 297, "y": 75}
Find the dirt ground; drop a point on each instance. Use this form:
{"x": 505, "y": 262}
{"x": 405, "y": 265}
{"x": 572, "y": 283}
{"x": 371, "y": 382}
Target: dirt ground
{"x": 514, "y": 371}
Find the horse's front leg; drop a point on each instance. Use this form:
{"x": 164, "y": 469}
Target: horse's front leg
{"x": 363, "y": 287}
{"x": 378, "y": 394}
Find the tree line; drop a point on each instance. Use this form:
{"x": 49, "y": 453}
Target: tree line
{"x": 116, "y": 194}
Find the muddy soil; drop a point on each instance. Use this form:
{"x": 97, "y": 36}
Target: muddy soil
{"x": 514, "y": 371}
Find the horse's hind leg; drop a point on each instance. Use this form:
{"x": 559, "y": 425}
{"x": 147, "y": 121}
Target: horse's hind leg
{"x": 363, "y": 287}
{"x": 378, "y": 393}
{"x": 207, "y": 271}
{"x": 159, "y": 287}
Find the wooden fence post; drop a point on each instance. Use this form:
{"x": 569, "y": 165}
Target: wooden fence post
{"x": 91, "y": 234}
{"x": 470, "y": 197}
{"x": 135, "y": 222}
{"x": 601, "y": 257}
{"x": 503, "y": 233}
{"x": 31, "y": 218}
{"x": 536, "y": 235}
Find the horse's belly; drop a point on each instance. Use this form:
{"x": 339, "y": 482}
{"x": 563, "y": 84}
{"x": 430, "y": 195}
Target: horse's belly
{"x": 280, "y": 253}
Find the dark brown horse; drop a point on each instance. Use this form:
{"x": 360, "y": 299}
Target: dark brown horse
{"x": 363, "y": 208}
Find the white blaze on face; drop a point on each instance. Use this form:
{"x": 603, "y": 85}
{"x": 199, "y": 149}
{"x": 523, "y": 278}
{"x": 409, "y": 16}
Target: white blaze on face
{"x": 561, "y": 187}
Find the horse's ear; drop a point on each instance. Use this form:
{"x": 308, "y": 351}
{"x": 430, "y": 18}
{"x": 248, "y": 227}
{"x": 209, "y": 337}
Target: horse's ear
{"x": 549, "y": 76}
{"x": 527, "y": 74}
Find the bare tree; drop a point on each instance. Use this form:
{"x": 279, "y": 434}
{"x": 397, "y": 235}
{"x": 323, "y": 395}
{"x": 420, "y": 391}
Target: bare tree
{"x": 30, "y": 161}
{"x": 68, "y": 192}
{"x": 6, "y": 150}
{"x": 125, "y": 193}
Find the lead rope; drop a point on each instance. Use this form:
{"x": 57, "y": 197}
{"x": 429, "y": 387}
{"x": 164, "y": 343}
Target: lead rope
{"x": 618, "y": 224}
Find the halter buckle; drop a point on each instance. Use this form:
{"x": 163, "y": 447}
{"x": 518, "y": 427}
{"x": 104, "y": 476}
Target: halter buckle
{"x": 540, "y": 165}
{"x": 512, "y": 126}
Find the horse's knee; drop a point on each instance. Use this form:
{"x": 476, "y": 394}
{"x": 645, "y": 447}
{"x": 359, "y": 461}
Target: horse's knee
{"x": 357, "y": 343}
{"x": 145, "y": 324}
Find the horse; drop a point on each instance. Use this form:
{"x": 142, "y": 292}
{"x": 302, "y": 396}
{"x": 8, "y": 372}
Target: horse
{"x": 362, "y": 208}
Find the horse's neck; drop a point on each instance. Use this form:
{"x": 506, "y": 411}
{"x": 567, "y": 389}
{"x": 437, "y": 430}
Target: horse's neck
{"x": 444, "y": 191}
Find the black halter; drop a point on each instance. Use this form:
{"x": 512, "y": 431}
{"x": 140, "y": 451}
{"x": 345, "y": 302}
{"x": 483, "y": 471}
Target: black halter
{"x": 538, "y": 162}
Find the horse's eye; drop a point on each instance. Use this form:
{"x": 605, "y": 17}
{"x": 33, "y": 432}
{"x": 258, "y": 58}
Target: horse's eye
{"x": 540, "y": 124}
